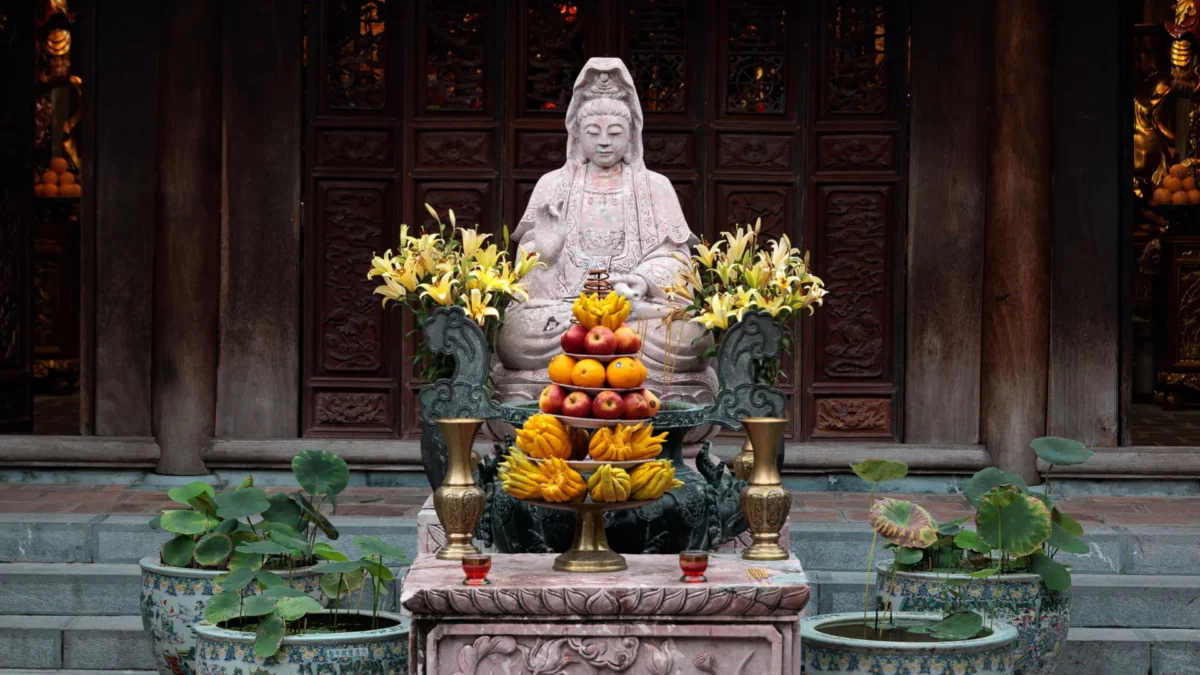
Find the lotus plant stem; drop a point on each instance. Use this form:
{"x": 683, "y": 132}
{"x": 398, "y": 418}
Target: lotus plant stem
{"x": 867, "y": 583}
{"x": 375, "y": 598}
{"x": 870, "y": 556}
{"x": 251, "y": 524}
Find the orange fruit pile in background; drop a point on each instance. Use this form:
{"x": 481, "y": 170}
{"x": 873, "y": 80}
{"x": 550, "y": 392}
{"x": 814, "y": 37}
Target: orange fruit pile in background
{"x": 1179, "y": 188}
{"x": 57, "y": 182}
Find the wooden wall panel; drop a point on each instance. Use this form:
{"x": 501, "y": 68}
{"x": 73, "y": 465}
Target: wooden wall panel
{"x": 853, "y": 354}
{"x": 1086, "y": 250}
{"x": 126, "y": 173}
{"x": 947, "y": 178}
{"x": 258, "y": 383}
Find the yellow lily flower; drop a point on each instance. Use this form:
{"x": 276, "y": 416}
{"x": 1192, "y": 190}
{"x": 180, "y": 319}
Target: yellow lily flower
{"x": 525, "y": 263}
{"x": 706, "y": 255}
{"x": 738, "y": 243}
{"x": 718, "y": 314}
{"x": 478, "y": 306}
{"x": 774, "y": 306}
{"x": 442, "y": 292}
{"x": 471, "y": 240}
{"x": 390, "y": 290}
{"x": 744, "y": 299}
{"x": 382, "y": 265}
{"x": 487, "y": 257}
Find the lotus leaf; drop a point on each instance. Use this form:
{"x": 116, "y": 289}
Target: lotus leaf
{"x": 1067, "y": 523}
{"x": 1060, "y": 451}
{"x": 283, "y": 511}
{"x": 1065, "y": 541}
{"x": 957, "y": 626}
{"x": 237, "y": 579}
{"x": 184, "y": 494}
{"x": 1011, "y": 521}
{"x": 986, "y": 479}
{"x": 270, "y": 636}
{"x": 903, "y": 523}
{"x": 213, "y": 549}
{"x": 321, "y": 472}
{"x": 185, "y": 522}
{"x": 257, "y": 605}
{"x": 242, "y": 503}
{"x": 879, "y": 470}
{"x": 1053, "y": 573}
{"x": 337, "y": 584}
{"x": 293, "y": 608}
{"x": 376, "y": 546}
{"x": 222, "y": 607}
{"x": 178, "y": 551}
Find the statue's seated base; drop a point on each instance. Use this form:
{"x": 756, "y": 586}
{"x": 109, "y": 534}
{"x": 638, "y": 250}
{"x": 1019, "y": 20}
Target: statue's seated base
{"x": 531, "y": 619}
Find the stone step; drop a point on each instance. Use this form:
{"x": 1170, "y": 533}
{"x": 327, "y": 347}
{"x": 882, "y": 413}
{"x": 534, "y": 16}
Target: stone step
{"x": 82, "y": 589}
{"x": 1137, "y": 651}
{"x": 82, "y": 538}
{"x": 1097, "y": 600}
{"x": 75, "y": 642}
{"x": 1126, "y": 549}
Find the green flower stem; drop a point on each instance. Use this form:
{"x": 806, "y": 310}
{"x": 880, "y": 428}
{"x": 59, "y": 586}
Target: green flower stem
{"x": 870, "y": 559}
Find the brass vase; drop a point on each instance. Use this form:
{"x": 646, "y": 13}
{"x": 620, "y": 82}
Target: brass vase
{"x": 743, "y": 462}
{"x": 765, "y": 502}
{"x": 459, "y": 502}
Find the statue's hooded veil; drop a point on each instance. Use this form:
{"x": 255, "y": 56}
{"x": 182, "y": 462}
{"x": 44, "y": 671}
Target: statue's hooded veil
{"x": 605, "y": 78}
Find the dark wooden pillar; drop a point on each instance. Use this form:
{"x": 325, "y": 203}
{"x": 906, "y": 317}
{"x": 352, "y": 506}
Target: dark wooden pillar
{"x": 946, "y": 197}
{"x": 188, "y": 243}
{"x": 1016, "y": 289}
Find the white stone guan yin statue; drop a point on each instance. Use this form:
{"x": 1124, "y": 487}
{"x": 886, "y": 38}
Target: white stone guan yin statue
{"x": 603, "y": 210}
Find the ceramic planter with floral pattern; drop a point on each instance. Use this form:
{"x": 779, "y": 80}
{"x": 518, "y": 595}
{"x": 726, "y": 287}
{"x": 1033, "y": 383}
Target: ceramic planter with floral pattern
{"x": 220, "y": 651}
{"x": 173, "y": 600}
{"x": 822, "y": 652}
{"x": 1041, "y": 616}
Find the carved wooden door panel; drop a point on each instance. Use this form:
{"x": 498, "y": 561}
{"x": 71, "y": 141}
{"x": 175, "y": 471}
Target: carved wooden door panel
{"x": 16, "y": 213}
{"x": 352, "y": 347}
{"x": 856, "y": 203}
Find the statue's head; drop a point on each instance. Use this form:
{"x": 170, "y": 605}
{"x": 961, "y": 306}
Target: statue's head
{"x": 603, "y": 130}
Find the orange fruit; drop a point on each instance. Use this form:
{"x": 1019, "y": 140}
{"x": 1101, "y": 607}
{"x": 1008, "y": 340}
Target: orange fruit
{"x": 1178, "y": 170}
{"x": 626, "y": 373}
{"x": 588, "y": 373}
{"x": 58, "y": 165}
{"x": 1193, "y": 196}
{"x": 72, "y": 190}
{"x": 560, "y": 369}
{"x": 49, "y": 190}
{"x": 1162, "y": 196}
{"x": 50, "y": 178}
{"x": 1189, "y": 183}
{"x": 1179, "y": 198}
{"x": 39, "y": 190}
{"x": 66, "y": 178}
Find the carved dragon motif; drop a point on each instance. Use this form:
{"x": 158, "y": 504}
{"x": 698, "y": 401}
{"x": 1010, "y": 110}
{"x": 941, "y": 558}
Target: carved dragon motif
{"x": 757, "y": 336}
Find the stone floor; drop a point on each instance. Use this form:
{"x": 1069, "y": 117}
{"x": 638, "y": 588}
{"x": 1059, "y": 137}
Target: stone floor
{"x": 407, "y": 501}
{"x": 1151, "y": 425}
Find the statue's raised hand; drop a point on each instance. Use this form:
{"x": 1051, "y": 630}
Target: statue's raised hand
{"x": 632, "y": 286}
{"x": 549, "y": 232}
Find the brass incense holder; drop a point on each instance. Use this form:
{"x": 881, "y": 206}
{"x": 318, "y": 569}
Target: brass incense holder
{"x": 765, "y": 502}
{"x": 589, "y": 550}
{"x": 743, "y": 462}
{"x": 459, "y": 502}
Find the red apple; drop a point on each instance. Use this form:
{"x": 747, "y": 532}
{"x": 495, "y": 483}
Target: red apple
{"x": 573, "y": 341}
{"x": 636, "y": 407}
{"x": 577, "y": 404}
{"x": 628, "y": 341}
{"x": 652, "y": 401}
{"x": 601, "y": 342}
{"x": 551, "y": 400}
{"x": 608, "y": 405}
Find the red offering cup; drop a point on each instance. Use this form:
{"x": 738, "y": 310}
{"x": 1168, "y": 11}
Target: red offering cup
{"x": 693, "y": 564}
{"x": 476, "y": 566}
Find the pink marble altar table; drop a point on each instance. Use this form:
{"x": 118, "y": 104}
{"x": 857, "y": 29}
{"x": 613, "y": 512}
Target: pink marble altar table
{"x": 532, "y": 620}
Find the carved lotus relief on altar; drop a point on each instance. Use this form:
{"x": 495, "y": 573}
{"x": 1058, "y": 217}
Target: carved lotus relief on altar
{"x": 682, "y": 655}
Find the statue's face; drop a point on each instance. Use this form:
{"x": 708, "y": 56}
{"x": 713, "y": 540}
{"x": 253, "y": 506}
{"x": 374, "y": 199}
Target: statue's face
{"x": 604, "y": 139}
